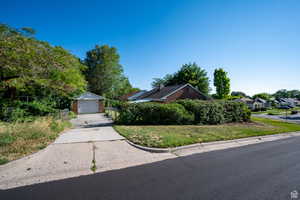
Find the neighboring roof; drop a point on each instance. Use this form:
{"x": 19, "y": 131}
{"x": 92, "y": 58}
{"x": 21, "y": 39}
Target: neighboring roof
{"x": 245, "y": 100}
{"x": 260, "y": 100}
{"x": 136, "y": 95}
{"x": 126, "y": 96}
{"x": 89, "y": 96}
{"x": 162, "y": 93}
{"x": 140, "y": 101}
{"x": 287, "y": 100}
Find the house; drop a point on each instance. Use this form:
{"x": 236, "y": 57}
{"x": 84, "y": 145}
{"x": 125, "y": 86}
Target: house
{"x": 264, "y": 103}
{"x": 166, "y": 94}
{"x": 249, "y": 102}
{"x": 88, "y": 103}
{"x": 290, "y": 102}
{"x": 256, "y": 104}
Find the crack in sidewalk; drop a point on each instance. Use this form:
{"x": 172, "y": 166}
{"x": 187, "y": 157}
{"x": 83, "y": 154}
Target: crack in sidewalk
{"x": 93, "y": 167}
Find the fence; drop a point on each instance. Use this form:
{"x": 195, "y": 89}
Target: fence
{"x": 112, "y": 112}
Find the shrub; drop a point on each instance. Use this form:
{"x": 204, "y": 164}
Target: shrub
{"x": 37, "y": 108}
{"x": 184, "y": 112}
{"x": 236, "y": 112}
{"x": 154, "y": 114}
{"x": 294, "y": 112}
{"x": 6, "y": 139}
{"x": 25, "y": 111}
{"x": 72, "y": 115}
{"x": 204, "y": 112}
{"x": 216, "y": 112}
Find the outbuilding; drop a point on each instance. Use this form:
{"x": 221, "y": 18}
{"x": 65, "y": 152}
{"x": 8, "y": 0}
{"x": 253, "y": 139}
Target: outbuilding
{"x": 88, "y": 103}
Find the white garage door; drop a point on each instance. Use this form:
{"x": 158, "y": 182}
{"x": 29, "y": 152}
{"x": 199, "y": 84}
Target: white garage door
{"x": 88, "y": 106}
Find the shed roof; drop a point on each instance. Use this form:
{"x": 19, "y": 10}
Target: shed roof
{"x": 89, "y": 96}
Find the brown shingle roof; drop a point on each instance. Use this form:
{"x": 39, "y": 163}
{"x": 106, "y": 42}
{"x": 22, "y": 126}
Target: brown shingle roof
{"x": 160, "y": 93}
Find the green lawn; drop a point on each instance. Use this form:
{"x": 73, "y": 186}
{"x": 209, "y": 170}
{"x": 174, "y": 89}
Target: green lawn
{"x": 173, "y": 136}
{"x": 20, "y": 139}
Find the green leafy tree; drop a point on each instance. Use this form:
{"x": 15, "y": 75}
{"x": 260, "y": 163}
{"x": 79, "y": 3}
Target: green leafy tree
{"x": 103, "y": 70}
{"x": 238, "y": 94}
{"x": 264, "y": 96}
{"x": 162, "y": 81}
{"x": 287, "y": 94}
{"x": 105, "y": 74}
{"x": 34, "y": 68}
{"x": 122, "y": 87}
{"x": 222, "y": 83}
{"x": 189, "y": 73}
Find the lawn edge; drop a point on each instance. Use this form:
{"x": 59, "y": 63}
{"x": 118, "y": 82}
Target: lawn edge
{"x": 258, "y": 139}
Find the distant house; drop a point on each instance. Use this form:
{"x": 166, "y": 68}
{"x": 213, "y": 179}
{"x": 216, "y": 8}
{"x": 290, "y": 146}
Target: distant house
{"x": 165, "y": 94}
{"x": 88, "y": 103}
{"x": 264, "y": 103}
{"x": 249, "y": 102}
{"x": 290, "y": 102}
{"x": 256, "y": 104}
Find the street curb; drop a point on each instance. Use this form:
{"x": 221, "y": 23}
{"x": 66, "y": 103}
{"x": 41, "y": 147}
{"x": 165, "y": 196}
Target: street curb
{"x": 256, "y": 139}
{"x": 150, "y": 149}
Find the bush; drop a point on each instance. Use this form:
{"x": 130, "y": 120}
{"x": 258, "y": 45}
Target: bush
{"x": 25, "y": 111}
{"x": 236, "y": 112}
{"x": 154, "y": 114}
{"x": 204, "y": 112}
{"x": 217, "y": 112}
{"x": 37, "y": 108}
{"x": 184, "y": 112}
{"x": 294, "y": 112}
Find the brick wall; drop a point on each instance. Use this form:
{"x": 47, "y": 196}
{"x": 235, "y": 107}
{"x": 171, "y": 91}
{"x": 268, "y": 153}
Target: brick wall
{"x": 101, "y": 106}
{"x": 74, "y": 106}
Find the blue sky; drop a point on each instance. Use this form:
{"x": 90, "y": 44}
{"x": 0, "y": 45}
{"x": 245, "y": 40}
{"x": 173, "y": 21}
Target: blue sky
{"x": 256, "y": 41}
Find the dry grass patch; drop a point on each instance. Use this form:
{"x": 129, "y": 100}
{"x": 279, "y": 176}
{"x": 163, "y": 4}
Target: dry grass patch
{"x": 172, "y": 136}
{"x": 20, "y": 139}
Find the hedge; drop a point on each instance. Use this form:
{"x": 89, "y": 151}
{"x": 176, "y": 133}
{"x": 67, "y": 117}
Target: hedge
{"x": 183, "y": 112}
{"x": 216, "y": 112}
{"x": 154, "y": 114}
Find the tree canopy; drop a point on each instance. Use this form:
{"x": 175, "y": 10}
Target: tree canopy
{"x": 287, "y": 94}
{"x": 264, "y": 96}
{"x": 238, "y": 94}
{"x": 222, "y": 83}
{"x": 35, "y": 68}
{"x": 188, "y": 73}
{"x": 105, "y": 74}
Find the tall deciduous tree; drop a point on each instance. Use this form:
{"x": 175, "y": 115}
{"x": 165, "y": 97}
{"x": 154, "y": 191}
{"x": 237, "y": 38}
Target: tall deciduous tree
{"x": 189, "y": 73}
{"x": 105, "y": 74}
{"x": 222, "y": 83}
{"x": 103, "y": 70}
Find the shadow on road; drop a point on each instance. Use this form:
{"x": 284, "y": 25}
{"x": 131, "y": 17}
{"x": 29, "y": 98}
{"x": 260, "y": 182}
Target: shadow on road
{"x": 96, "y": 125}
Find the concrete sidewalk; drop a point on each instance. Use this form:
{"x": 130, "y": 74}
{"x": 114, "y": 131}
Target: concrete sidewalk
{"x": 72, "y": 153}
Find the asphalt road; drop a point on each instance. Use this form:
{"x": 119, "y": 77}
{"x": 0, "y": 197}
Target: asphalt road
{"x": 268, "y": 170}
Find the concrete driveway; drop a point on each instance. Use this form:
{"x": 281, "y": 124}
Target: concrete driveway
{"x": 89, "y": 128}
{"x": 71, "y": 155}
